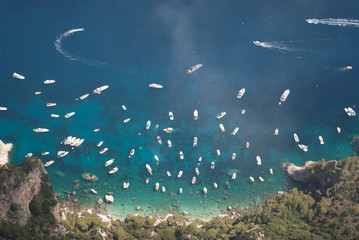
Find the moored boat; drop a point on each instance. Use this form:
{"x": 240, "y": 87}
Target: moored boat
{"x": 180, "y": 174}
{"x": 221, "y": 115}
{"x": 37, "y": 93}
{"x": 115, "y": 169}
{"x": 126, "y": 120}
{"x": 271, "y": 171}
{"x": 103, "y": 150}
{"x": 99, "y": 144}
{"x": 54, "y": 115}
{"x": 155, "y": 85}
{"x": 276, "y": 131}
{"x": 180, "y": 191}
{"x": 234, "y": 156}
{"x": 149, "y": 169}
{"x": 48, "y": 163}
{"x": 194, "y": 180}
{"x": 97, "y": 130}
{"x": 126, "y": 185}
{"x": 68, "y": 115}
{"x": 132, "y": 152}
{"x": 157, "y": 159}
{"x": 212, "y": 165}
{"x": 284, "y": 96}
{"x": 50, "y": 104}
{"x": 100, "y": 89}
{"x": 3, "y": 108}
{"x": 247, "y": 144}
{"x": 18, "y": 76}
{"x": 321, "y": 140}
{"x": 303, "y": 147}
{"x": 124, "y": 107}
{"x": 215, "y": 185}
{"x": 159, "y": 140}
{"x": 45, "y": 153}
{"x": 109, "y": 162}
{"x": 169, "y": 143}
{"x": 243, "y": 111}
{"x": 204, "y": 190}
{"x": 93, "y": 191}
{"x": 260, "y": 178}
{"x": 41, "y": 130}
{"x": 168, "y": 130}
{"x": 181, "y": 155}
{"x": 234, "y": 176}
{"x": 235, "y": 131}
{"x": 61, "y": 154}
{"x": 350, "y": 112}
{"x": 259, "y": 161}
{"x": 296, "y": 138}
{"x": 338, "y": 129}
{"x": 49, "y": 81}
{"x": 251, "y": 178}
{"x": 197, "y": 171}
{"x": 157, "y": 186}
{"x": 221, "y": 127}
{"x": 171, "y": 116}
{"x": 148, "y": 124}
{"x": 193, "y": 68}
{"x": 147, "y": 180}
{"x": 218, "y": 152}
{"x": 195, "y": 141}
{"x": 163, "y": 189}
{"x": 168, "y": 174}
{"x": 195, "y": 115}
{"x": 241, "y": 93}
{"x": 84, "y": 96}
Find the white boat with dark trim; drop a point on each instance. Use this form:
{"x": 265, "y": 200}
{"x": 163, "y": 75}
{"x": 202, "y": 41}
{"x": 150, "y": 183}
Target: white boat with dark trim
{"x": 84, "y": 96}
{"x": 61, "y": 154}
{"x": 195, "y": 115}
{"x": 259, "y": 161}
{"x": 48, "y": 163}
{"x": 350, "y": 112}
{"x": 159, "y": 140}
{"x": 45, "y": 153}
{"x": 321, "y": 140}
{"x": 212, "y": 165}
{"x": 221, "y": 127}
{"x": 168, "y": 130}
{"x": 103, "y": 150}
{"x": 303, "y": 147}
{"x": 241, "y": 93}
{"x": 221, "y": 115}
{"x": 50, "y": 104}
{"x": 41, "y": 130}
{"x": 155, "y": 85}
{"x": 193, "y": 69}
{"x": 3, "y": 108}
{"x": 169, "y": 143}
{"x": 132, "y": 152}
{"x": 157, "y": 159}
{"x": 171, "y": 116}
{"x": 49, "y": 81}
{"x": 284, "y": 96}
{"x": 68, "y": 115}
{"x": 100, "y": 89}
{"x": 115, "y": 169}
{"x": 99, "y": 144}
{"x": 148, "y": 124}
{"x": 235, "y": 131}
{"x": 18, "y": 76}
{"x": 126, "y": 185}
{"x": 195, "y": 139}
{"x": 109, "y": 162}
{"x": 181, "y": 155}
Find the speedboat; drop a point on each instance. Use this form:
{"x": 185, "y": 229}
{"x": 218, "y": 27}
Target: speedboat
{"x": 195, "y": 141}
{"x": 350, "y": 112}
{"x": 194, "y": 180}
{"x": 18, "y": 76}
{"x": 235, "y": 131}
{"x": 221, "y": 115}
{"x": 181, "y": 155}
{"x": 155, "y": 85}
{"x": 234, "y": 175}
{"x": 103, "y": 150}
{"x": 251, "y": 178}
{"x": 99, "y": 144}
{"x": 200, "y": 159}
{"x": 169, "y": 143}
{"x": 55, "y": 115}
{"x": 218, "y": 152}
{"x": 271, "y": 171}
{"x": 149, "y": 169}
{"x": 97, "y": 130}
{"x": 204, "y": 190}
{"x": 159, "y": 140}
{"x": 147, "y": 180}
{"x": 212, "y": 165}
{"x": 215, "y": 185}
{"x": 348, "y": 68}
{"x": 259, "y": 161}
{"x": 132, "y": 152}
{"x": 284, "y": 96}
{"x": 221, "y": 127}
{"x": 321, "y": 140}
{"x": 3, "y": 108}
{"x": 83, "y": 96}
{"x": 338, "y": 129}
{"x": 243, "y": 111}
{"x": 163, "y": 189}
{"x": 168, "y": 174}
{"x": 126, "y": 120}
{"x": 276, "y": 131}
{"x": 180, "y": 174}
{"x": 40, "y": 130}
{"x": 193, "y": 69}
{"x": 50, "y": 104}
{"x": 303, "y": 147}
{"x": 148, "y": 124}
{"x": 157, "y": 159}
{"x": 100, "y": 89}
{"x": 180, "y": 191}
{"x": 170, "y": 114}
{"x": 68, "y": 115}
{"x": 296, "y": 138}
{"x": 115, "y": 169}
{"x": 124, "y": 107}
{"x": 197, "y": 171}
{"x": 241, "y": 93}
{"x": 247, "y": 144}
{"x": 37, "y": 93}
{"x": 234, "y": 156}
{"x": 260, "y": 178}
{"x": 157, "y": 186}
{"x": 195, "y": 115}
{"x": 93, "y": 191}
{"x": 45, "y": 153}
{"x": 48, "y": 163}
{"x": 109, "y": 162}
{"x": 168, "y": 130}
{"x": 49, "y": 81}
{"x": 61, "y": 154}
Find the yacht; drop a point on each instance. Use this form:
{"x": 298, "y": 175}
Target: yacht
{"x": 49, "y": 81}
{"x": 109, "y": 162}
{"x": 163, "y": 189}
{"x": 195, "y": 115}
{"x": 97, "y": 130}
{"x": 115, "y": 169}
{"x": 193, "y": 69}
{"x": 171, "y": 116}
{"x": 348, "y": 68}
{"x": 194, "y": 180}
{"x": 276, "y": 131}
{"x": 212, "y": 165}
{"x": 338, "y": 129}
{"x": 218, "y": 152}
{"x": 126, "y": 185}
{"x": 126, "y": 120}
{"x": 180, "y": 174}
{"x": 221, "y": 127}
{"x": 251, "y": 178}
{"x": 48, "y": 163}
{"x": 181, "y": 155}
{"x": 235, "y": 131}
{"x": 159, "y": 140}
{"x": 155, "y": 85}
{"x": 40, "y": 130}
{"x": 234, "y": 175}
{"x": 124, "y": 107}
{"x": 132, "y": 152}
{"x": 321, "y": 140}
{"x": 215, "y": 185}
{"x": 204, "y": 190}
{"x": 99, "y": 144}
{"x": 3, "y": 108}
{"x": 103, "y": 150}
{"x": 18, "y": 76}
{"x": 260, "y": 178}
{"x": 100, "y": 89}
{"x": 296, "y": 138}
{"x": 148, "y": 124}
{"x": 259, "y": 161}
{"x": 271, "y": 171}
{"x": 37, "y": 93}
{"x": 195, "y": 141}
{"x": 61, "y": 154}
{"x": 241, "y": 93}
{"x": 197, "y": 171}
{"x": 84, "y": 96}
{"x": 93, "y": 191}
{"x": 68, "y": 115}
{"x": 180, "y": 191}
{"x": 149, "y": 169}
{"x": 54, "y": 115}
{"x": 168, "y": 130}
{"x": 303, "y": 147}
{"x": 221, "y": 115}
{"x": 169, "y": 143}
{"x": 50, "y": 104}
{"x": 350, "y": 112}
{"x": 247, "y": 144}
{"x": 168, "y": 174}
{"x": 234, "y": 156}
{"x": 45, "y": 153}
{"x": 157, "y": 186}
{"x": 284, "y": 96}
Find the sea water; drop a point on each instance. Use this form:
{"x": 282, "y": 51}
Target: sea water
{"x": 130, "y": 45}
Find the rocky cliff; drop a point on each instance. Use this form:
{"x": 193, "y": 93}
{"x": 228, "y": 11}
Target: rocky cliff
{"x": 5, "y": 149}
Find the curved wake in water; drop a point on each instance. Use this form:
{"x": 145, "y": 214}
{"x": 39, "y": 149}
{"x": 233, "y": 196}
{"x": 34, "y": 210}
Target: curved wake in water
{"x": 335, "y": 22}
{"x": 274, "y": 45}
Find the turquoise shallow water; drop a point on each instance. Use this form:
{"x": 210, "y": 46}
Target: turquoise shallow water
{"x": 130, "y": 45}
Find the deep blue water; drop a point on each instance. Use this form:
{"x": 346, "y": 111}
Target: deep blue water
{"x": 128, "y": 45}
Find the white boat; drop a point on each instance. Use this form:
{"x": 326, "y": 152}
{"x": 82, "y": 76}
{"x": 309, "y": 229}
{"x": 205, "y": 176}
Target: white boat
{"x": 180, "y": 191}
{"x": 168, "y": 130}
{"x": 132, "y": 152}
{"x": 243, "y": 111}
{"x": 296, "y": 138}
{"x": 109, "y": 162}
{"x": 163, "y": 189}
{"x": 259, "y": 161}
{"x": 251, "y": 178}
{"x": 180, "y": 174}
{"x": 84, "y": 96}
{"x": 124, "y": 107}
{"x": 169, "y": 143}
{"x": 3, "y": 108}
{"x": 48, "y": 163}
{"x": 221, "y": 115}
{"x": 45, "y": 153}
{"x": 157, "y": 186}
{"x": 303, "y": 147}
{"x": 338, "y": 129}
{"x": 215, "y": 185}
{"x": 49, "y": 81}
{"x": 97, "y": 130}
{"x": 241, "y": 93}
{"x": 93, "y": 191}
{"x": 99, "y": 144}
{"x": 68, "y": 115}
{"x": 126, "y": 185}
{"x": 181, "y": 155}
{"x": 200, "y": 159}
{"x": 195, "y": 115}
{"x": 50, "y": 104}
{"x": 260, "y": 178}
{"x": 247, "y": 145}
{"x": 194, "y": 180}
{"x": 168, "y": 174}
{"x": 115, "y": 169}
{"x": 234, "y": 175}
{"x": 271, "y": 171}
{"x": 218, "y": 152}
{"x": 193, "y": 69}
{"x": 171, "y": 116}
{"x": 276, "y": 131}
{"x": 61, "y": 154}
{"x": 29, "y": 155}
{"x": 149, "y": 169}
{"x": 235, "y": 131}
{"x": 221, "y": 127}
{"x": 148, "y": 124}
{"x": 155, "y": 85}
{"x": 103, "y": 150}
{"x": 41, "y": 130}
{"x": 284, "y": 96}
{"x": 54, "y": 115}
{"x": 126, "y": 120}
{"x": 37, "y": 93}
{"x": 197, "y": 171}
{"x": 156, "y": 158}
{"x": 212, "y": 165}
{"x": 100, "y": 89}
{"x": 18, "y": 76}
{"x": 159, "y": 140}
{"x": 204, "y": 190}
{"x": 234, "y": 156}
{"x": 321, "y": 140}
{"x": 195, "y": 139}
{"x": 350, "y": 112}
{"x": 348, "y": 68}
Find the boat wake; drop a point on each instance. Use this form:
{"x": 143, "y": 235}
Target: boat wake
{"x": 275, "y": 45}
{"x": 335, "y": 22}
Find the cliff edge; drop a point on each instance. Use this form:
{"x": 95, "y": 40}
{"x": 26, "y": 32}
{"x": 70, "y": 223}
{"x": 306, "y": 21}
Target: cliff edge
{"x": 5, "y": 149}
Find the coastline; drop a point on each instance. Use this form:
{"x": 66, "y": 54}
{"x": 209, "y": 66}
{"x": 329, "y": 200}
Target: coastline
{"x": 5, "y": 149}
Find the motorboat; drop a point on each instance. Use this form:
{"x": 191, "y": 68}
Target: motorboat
{"x": 235, "y": 131}
{"x": 218, "y": 152}
{"x": 243, "y": 111}
{"x": 197, "y": 171}
{"x": 93, "y": 191}
{"x": 50, "y": 104}
{"x": 260, "y": 178}
{"x": 284, "y": 96}
{"x": 303, "y": 147}
{"x": 276, "y": 131}
{"x": 169, "y": 143}
{"x": 180, "y": 174}
{"x": 157, "y": 159}
{"x": 200, "y": 159}
{"x": 61, "y": 154}
{"x": 241, "y": 93}
{"x": 271, "y": 171}
{"x": 215, "y": 185}
{"x": 212, "y": 165}
{"x": 126, "y": 120}
{"x": 147, "y": 180}
{"x": 3, "y": 108}
{"x": 171, "y": 116}
{"x": 259, "y": 161}
{"x": 103, "y": 150}
{"x": 234, "y": 156}
{"x": 350, "y": 112}
{"x": 41, "y": 130}
{"x": 148, "y": 124}
{"x": 204, "y": 190}
{"x": 163, "y": 189}
{"x": 48, "y": 163}
{"x": 54, "y": 115}
{"x": 221, "y": 115}
{"x": 99, "y": 144}
{"x": 97, "y": 130}
{"x": 221, "y": 127}
{"x": 100, "y": 89}
{"x": 194, "y": 180}
{"x": 296, "y": 138}
{"x": 247, "y": 145}
{"x": 115, "y": 169}
{"x": 155, "y": 85}
{"x": 18, "y": 76}
{"x": 159, "y": 140}
{"x": 181, "y": 155}
{"x": 168, "y": 174}
{"x": 157, "y": 186}
{"x": 195, "y": 141}
{"x": 37, "y": 93}
{"x": 68, "y": 115}
{"x": 109, "y": 162}
{"x": 45, "y": 153}
{"x": 180, "y": 191}
{"x": 168, "y": 130}
{"x": 195, "y": 115}
{"x": 124, "y": 107}
{"x": 126, "y": 185}
{"x": 49, "y": 81}
{"x": 234, "y": 175}
{"x": 338, "y": 129}
{"x": 193, "y": 69}
{"x": 149, "y": 169}
{"x": 348, "y": 68}
{"x": 84, "y": 96}
{"x": 132, "y": 152}
{"x": 321, "y": 140}
{"x": 29, "y": 155}
{"x": 251, "y": 178}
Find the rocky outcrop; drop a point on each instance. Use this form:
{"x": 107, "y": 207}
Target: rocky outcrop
{"x": 5, "y": 149}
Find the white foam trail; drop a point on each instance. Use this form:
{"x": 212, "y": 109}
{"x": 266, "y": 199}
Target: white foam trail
{"x": 335, "y": 22}
{"x": 274, "y": 45}
{"x": 58, "y": 43}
